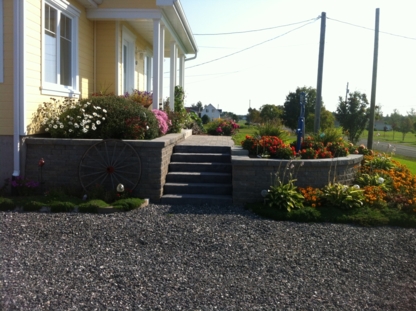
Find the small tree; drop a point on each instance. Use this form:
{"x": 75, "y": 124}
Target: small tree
{"x": 205, "y": 119}
{"x": 327, "y": 121}
{"x": 270, "y": 113}
{"x": 405, "y": 125}
{"x": 353, "y": 115}
{"x": 291, "y": 111}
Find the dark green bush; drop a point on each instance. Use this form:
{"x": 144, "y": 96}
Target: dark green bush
{"x": 6, "y": 204}
{"x": 99, "y": 117}
{"x": 128, "y": 204}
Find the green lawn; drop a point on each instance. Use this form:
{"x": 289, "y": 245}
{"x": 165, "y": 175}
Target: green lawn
{"x": 392, "y": 137}
{"x": 409, "y": 162}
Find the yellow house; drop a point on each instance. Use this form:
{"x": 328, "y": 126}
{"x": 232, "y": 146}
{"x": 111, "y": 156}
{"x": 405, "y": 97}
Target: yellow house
{"x": 73, "y": 48}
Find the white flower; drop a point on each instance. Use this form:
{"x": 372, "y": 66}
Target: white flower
{"x": 76, "y": 125}
{"x": 70, "y": 130}
{"x": 105, "y": 111}
{"x": 103, "y": 118}
{"x": 47, "y": 129}
{"x": 88, "y": 103}
{"x": 380, "y": 180}
{"x": 85, "y": 106}
{"x": 147, "y": 127}
{"x": 87, "y": 126}
{"x": 356, "y": 187}
{"x": 94, "y": 114}
{"x": 84, "y": 130}
{"x": 55, "y": 126}
{"x": 67, "y": 117}
{"x": 98, "y": 122}
{"x": 93, "y": 127}
{"x": 61, "y": 126}
{"x": 78, "y": 117}
{"x": 70, "y": 123}
{"x": 97, "y": 107}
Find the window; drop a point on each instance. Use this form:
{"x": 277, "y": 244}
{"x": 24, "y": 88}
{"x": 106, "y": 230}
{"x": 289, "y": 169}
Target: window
{"x": 60, "y": 49}
{"x": 1, "y": 41}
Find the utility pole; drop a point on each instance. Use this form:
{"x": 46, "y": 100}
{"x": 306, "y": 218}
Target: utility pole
{"x": 317, "y": 123}
{"x": 374, "y": 84}
{"x": 346, "y": 93}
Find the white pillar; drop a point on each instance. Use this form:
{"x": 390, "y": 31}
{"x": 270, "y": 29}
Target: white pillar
{"x": 182, "y": 70}
{"x": 161, "y": 58}
{"x": 156, "y": 62}
{"x": 173, "y": 56}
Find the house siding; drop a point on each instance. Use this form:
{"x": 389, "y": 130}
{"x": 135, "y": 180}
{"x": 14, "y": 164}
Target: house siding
{"x": 33, "y": 68}
{"x": 6, "y": 88}
{"x": 105, "y": 56}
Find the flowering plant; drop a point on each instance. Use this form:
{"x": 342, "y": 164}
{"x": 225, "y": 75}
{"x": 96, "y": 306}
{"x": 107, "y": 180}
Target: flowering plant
{"x": 144, "y": 98}
{"x": 163, "y": 121}
{"x": 24, "y": 186}
{"x": 71, "y": 118}
{"x": 222, "y": 127}
{"x": 268, "y": 146}
{"x": 342, "y": 196}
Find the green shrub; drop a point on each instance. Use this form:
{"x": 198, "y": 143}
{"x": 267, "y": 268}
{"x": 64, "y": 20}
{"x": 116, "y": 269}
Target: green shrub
{"x": 222, "y": 127}
{"x": 342, "y": 196}
{"x": 61, "y": 206}
{"x": 99, "y": 117}
{"x": 272, "y": 129}
{"x": 91, "y": 206}
{"x": 6, "y": 204}
{"x": 128, "y": 204}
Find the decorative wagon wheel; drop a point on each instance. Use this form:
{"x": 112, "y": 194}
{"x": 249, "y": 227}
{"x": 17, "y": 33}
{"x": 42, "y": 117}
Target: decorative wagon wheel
{"x": 109, "y": 163}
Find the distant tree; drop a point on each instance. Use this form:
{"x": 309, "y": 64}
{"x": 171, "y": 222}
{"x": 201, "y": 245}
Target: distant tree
{"x": 405, "y": 125}
{"x": 253, "y": 115}
{"x": 205, "y": 119}
{"x": 353, "y": 115}
{"x": 229, "y": 115}
{"x": 327, "y": 121}
{"x": 395, "y": 120}
{"x": 270, "y": 113}
{"x": 291, "y": 110}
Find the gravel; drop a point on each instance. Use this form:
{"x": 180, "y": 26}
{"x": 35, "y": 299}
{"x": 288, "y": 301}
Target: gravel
{"x": 165, "y": 257}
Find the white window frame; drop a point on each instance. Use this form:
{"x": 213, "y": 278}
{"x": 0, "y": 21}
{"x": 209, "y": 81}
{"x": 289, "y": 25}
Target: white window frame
{"x": 128, "y": 38}
{"x": 56, "y": 89}
{"x": 1, "y": 43}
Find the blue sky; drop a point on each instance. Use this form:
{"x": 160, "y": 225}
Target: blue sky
{"x": 265, "y": 74}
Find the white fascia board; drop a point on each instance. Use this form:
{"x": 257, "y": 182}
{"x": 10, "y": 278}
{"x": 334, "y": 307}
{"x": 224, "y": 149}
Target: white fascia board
{"x": 173, "y": 33}
{"x": 179, "y": 10}
{"x": 110, "y": 14}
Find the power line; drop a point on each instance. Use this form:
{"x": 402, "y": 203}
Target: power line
{"x": 247, "y": 31}
{"x": 250, "y": 47}
{"x": 372, "y": 29}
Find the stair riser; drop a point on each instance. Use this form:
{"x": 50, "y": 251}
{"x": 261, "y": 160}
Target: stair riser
{"x": 181, "y": 189}
{"x": 172, "y": 178}
{"x": 201, "y": 149}
{"x": 222, "y": 158}
{"x": 194, "y": 167}
{"x": 182, "y": 201}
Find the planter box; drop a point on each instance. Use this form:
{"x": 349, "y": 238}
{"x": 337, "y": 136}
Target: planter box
{"x": 252, "y": 175}
{"x": 62, "y": 158}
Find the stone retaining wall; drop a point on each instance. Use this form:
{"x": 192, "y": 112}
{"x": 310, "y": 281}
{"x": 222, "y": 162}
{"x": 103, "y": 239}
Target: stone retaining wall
{"x": 252, "y": 175}
{"x": 62, "y": 158}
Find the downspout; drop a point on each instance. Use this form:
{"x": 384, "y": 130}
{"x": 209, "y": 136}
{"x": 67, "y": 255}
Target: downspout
{"x": 18, "y": 81}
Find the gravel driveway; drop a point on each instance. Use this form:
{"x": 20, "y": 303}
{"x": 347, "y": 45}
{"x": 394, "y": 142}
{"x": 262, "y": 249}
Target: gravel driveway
{"x": 201, "y": 258}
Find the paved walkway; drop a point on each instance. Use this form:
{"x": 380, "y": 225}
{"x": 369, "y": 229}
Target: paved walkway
{"x": 207, "y": 140}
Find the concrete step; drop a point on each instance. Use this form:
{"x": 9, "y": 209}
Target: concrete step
{"x": 201, "y": 157}
{"x": 216, "y": 167}
{"x": 202, "y": 177}
{"x": 197, "y": 188}
{"x": 196, "y": 199}
{"x": 201, "y": 149}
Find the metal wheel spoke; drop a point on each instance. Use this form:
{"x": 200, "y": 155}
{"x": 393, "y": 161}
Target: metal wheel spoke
{"x": 119, "y": 155}
{"x": 103, "y": 164}
{"x": 95, "y": 180}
